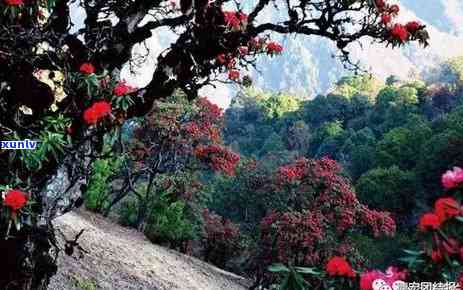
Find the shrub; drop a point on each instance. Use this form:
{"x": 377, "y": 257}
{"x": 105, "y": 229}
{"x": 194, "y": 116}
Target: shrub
{"x": 98, "y": 191}
{"x": 221, "y": 239}
{"x": 169, "y": 223}
{"x": 128, "y": 212}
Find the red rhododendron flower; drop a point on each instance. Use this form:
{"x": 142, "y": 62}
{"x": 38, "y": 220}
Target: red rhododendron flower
{"x": 233, "y": 74}
{"x": 413, "y": 26}
{"x": 289, "y": 173}
{"x": 429, "y": 221}
{"x": 452, "y": 178}
{"x": 221, "y": 58}
{"x": 367, "y": 278}
{"x": 446, "y": 208}
{"x": 219, "y": 158}
{"x": 15, "y": 199}
{"x": 97, "y": 111}
{"x": 122, "y": 89}
{"x": 380, "y": 4}
{"x": 399, "y": 32}
{"x": 274, "y": 48}
{"x": 436, "y": 256}
{"x": 256, "y": 43}
{"x": 386, "y": 19}
{"x": 234, "y": 19}
{"x": 338, "y": 266}
{"x": 87, "y": 68}
{"x": 14, "y": 2}
{"x": 243, "y": 50}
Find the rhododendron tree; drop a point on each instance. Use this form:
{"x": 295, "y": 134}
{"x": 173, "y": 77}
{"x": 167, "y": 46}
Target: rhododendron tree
{"x": 38, "y": 36}
{"x": 175, "y": 138}
{"x": 438, "y": 259}
{"x": 221, "y": 239}
{"x": 313, "y": 224}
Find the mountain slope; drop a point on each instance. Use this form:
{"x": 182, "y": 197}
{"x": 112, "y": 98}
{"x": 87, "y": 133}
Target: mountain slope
{"x": 121, "y": 258}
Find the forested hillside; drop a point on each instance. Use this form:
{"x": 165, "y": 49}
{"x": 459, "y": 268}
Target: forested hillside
{"x": 390, "y": 138}
{"x": 278, "y": 182}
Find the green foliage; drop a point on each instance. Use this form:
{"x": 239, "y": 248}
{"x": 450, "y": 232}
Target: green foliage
{"x": 169, "y": 222}
{"x": 293, "y": 277}
{"x": 399, "y": 146}
{"x": 98, "y": 191}
{"x": 273, "y": 143}
{"x": 52, "y": 141}
{"x": 380, "y": 253}
{"x": 358, "y": 85}
{"x": 390, "y": 189}
{"x": 128, "y": 212}
{"x": 277, "y": 106}
{"x": 452, "y": 71}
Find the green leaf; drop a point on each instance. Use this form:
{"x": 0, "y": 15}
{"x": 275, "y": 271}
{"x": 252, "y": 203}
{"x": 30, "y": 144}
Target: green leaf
{"x": 278, "y": 268}
{"x": 306, "y": 270}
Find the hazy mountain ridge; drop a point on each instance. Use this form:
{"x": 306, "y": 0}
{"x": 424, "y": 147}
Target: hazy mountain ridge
{"x": 307, "y": 66}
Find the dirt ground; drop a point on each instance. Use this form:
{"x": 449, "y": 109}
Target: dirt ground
{"x": 121, "y": 258}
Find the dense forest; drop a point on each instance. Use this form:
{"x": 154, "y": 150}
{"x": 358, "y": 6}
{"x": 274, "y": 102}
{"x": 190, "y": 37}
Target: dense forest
{"x": 277, "y": 182}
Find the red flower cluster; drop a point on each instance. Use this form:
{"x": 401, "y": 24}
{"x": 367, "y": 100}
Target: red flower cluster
{"x": 221, "y": 58}
{"x": 233, "y": 75}
{"x": 447, "y": 208}
{"x": 87, "y": 68}
{"x": 294, "y": 232}
{"x": 14, "y": 2}
{"x": 413, "y": 26}
{"x": 386, "y": 19}
{"x": 221, "y": 238}
{"x": 452, "y": 178}
{"x": 289, "y": 173}
{"x": 381, "y": 4}
{"x": 235, "y": 19}
{"x": 399, "y": 32}
{"x": 220, "y": 158}
{"x": 96, "y": 112}
{"x": 256, "y": 44}
{"x": 321, "y": 207}
{"x": 444, "y": 209}
{"x": 274, "y": 48}
{"x": 122, "y": 89}
{"x": 15, "y": 199}
{"x": 380, "y": 222}
{"x": 192, "y": 129}
{"x": 429, "y": 221}
{"x": 206, "y": 123}
{"x": 338, "y": 266}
